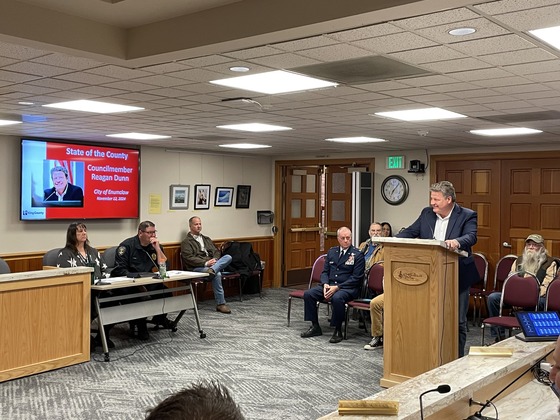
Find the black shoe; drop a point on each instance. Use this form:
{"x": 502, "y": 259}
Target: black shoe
{"x": 211, "y": 274}
{"x": 98, "y": 343}
{"x": 375, "y": 342}
{"x": 163, "y": 321}
{"x": 313, "y": 331}
{"x": 143, "y": 331}
{"x": 336, "y": 337}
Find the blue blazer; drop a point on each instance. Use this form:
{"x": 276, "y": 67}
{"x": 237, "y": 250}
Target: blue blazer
{"x": 346, "y": 272}
{"x": 462, "y": 227}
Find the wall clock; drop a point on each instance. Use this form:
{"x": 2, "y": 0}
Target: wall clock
{"x": 394, "y": 189}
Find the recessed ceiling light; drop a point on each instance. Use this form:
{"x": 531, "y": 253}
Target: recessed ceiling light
{"x": 423, "y": 114}
{"x": 93, "y": 106}
{"x": 505, "y": 131}
{"x": 245, "y": 146}
{"x": 356, "y": 140}
{"x": 254, "y": 127}
{"x": 239, "y": 69}
{"x": 9, "y": 122}
{"x": 138, "y": 136}
{"x": 26, "y": 103}
{"x": 462, "y": 31}
{"x": 549, "y": 35}
{"x": 272, "y": 82}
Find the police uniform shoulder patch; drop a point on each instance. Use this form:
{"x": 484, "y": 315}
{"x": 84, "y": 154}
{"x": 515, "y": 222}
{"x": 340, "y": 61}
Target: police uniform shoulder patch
{"x": 121, "y": 250}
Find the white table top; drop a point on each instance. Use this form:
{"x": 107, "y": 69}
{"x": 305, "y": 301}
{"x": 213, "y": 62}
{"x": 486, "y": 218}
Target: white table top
{"x": 173, "y": 275}
{"x": 41, "y": 274}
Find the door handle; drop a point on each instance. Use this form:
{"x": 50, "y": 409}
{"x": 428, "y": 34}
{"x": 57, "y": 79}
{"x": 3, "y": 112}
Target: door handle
{"x": 306, "y": 229}
{"x": 506, "y": 245}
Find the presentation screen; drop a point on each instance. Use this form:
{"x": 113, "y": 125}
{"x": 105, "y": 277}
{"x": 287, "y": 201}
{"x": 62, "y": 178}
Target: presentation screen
{"x": 78, "y": 181}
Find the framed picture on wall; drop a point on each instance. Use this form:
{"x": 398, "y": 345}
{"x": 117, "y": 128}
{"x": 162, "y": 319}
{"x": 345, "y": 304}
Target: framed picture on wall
{"x": 179, "y": 197}
{"x": 223, "y": 197}
{"x": 201, "y": 197}
{"x": 243, "y": 198}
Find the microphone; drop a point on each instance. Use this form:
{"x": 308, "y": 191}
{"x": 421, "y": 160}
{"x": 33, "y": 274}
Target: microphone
{"x": 442, "y": 389}
{"x": 478, "y": 415}
{"x": 50, "y": 195}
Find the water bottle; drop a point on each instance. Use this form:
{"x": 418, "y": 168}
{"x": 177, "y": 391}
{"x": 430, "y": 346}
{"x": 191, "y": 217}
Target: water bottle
{"x": 162, "y": 270}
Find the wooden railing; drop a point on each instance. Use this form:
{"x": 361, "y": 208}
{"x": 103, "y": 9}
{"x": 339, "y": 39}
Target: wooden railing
{"x": 264, "y": 246}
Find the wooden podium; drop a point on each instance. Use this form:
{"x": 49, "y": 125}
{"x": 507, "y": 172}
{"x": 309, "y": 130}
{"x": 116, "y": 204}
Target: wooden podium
{"x": 421, "y": 320}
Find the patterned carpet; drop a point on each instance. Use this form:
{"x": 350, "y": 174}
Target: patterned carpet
{"x": 271, "y": 372}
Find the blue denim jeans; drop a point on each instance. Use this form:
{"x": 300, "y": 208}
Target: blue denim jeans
{"x": 217, "y": 287}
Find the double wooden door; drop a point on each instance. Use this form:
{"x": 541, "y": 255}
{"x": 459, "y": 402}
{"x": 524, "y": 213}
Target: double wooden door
{"x": 317, "y": 201}
{"x": 514, "y": 196}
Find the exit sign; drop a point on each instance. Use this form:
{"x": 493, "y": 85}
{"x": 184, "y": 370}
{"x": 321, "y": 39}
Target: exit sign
{"x": 395, "y": 162}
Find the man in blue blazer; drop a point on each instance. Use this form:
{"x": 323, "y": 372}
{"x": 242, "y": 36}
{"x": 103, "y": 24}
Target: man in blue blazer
{"x": 447, "y": 221}
{"x": 341, "y": 281}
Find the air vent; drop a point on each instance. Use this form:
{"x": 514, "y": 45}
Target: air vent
{"x": 358, "y": 71}
{"x": 523, "y": 117}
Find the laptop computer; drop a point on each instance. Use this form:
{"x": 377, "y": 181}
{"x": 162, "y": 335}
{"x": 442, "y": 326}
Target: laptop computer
{"x": 538, "y": 326}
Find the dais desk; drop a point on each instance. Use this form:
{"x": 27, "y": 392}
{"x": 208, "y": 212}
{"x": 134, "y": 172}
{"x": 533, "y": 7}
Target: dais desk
{"x": 44, "y": 320}
{"x": 141, "y": 304}
{"x": 477, "y": 377}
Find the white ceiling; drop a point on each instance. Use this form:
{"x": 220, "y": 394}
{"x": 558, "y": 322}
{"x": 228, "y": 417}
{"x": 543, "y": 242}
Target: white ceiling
{"x": 499, "y": 71}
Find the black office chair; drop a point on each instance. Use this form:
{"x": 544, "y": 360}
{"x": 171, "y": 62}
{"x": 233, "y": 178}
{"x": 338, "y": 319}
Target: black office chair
{"x": 4, "y": 267}
{"x": 50, "y": 257}
{"x": 109, "y": 258}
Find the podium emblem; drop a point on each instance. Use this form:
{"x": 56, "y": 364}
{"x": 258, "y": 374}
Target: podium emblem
{"x": 410, "y": 275}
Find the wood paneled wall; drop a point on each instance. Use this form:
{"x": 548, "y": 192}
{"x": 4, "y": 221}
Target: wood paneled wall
{"x": 264, "y": 246}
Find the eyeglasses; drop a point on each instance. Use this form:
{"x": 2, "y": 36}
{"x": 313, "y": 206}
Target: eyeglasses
{"x": 151, "y": 232}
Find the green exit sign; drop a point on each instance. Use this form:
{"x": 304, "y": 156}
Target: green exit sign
{"x": 395, "y": 162}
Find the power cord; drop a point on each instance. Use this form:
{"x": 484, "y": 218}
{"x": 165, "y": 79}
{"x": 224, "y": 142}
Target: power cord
{"x": 541, "y": 374}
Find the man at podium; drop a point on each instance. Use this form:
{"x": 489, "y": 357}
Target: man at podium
{"x": 445, "y": 220}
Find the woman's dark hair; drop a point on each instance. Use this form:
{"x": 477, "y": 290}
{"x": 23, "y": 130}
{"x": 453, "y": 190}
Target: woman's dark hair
{"x": 390, "y": 228}
{"x": 71, "y": 237}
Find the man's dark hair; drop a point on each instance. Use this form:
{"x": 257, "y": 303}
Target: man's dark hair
{"x": 201, "y": 401}
{"x": 145, "y": 225}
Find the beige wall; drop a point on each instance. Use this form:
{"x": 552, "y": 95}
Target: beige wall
{"x": 159, "y": 169}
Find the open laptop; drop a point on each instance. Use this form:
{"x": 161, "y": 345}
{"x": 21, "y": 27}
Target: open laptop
{"x": 538, "y": 326}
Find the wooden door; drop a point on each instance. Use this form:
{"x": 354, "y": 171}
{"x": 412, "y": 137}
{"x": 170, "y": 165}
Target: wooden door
{"x": 338, "y": 202}
{"x": 302, "y": 228}
{"x": 477, "y": 185}
{"x": 531, "y": 201}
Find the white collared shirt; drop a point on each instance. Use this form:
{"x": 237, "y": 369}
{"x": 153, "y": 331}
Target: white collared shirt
{"x": 440, "y": 228}
{"x": 200, "y": 242}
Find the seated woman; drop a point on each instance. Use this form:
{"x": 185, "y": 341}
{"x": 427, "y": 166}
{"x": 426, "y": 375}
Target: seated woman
{"x": 387, "y": 230}
{"x": 79, "y": 253}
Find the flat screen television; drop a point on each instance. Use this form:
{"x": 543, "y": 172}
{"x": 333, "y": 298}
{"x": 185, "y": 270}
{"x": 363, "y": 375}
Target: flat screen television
{"x": 62, "y": 180}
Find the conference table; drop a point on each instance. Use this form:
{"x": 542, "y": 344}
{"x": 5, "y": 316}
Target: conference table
{"x": 138, "y": 302}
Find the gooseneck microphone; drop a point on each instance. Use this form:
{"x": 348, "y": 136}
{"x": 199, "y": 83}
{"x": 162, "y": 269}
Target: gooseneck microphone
{"x": 51, "y": 194}
{"x": 442, "y": 389}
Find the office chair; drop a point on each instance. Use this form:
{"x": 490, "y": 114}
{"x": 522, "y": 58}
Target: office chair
{"x": 518, "y": 291}
{"x": 373, "y": 285}
{"x": 50, "y": 257}
{"x": 476, "y": 291}
{"x": 4, "y": 267}
{"x": 314, "y": 279}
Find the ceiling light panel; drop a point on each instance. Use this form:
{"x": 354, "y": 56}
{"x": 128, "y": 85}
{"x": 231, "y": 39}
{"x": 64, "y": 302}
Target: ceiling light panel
{"x": 422, "y": 114}
{"x": 274, "y": 82}
{"x": 513, "y": 131}
{"x": 93, "y": 106}
{"x": 254, "y": 127}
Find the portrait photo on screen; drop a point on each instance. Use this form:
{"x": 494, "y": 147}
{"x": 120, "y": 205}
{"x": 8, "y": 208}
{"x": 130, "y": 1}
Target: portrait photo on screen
{"x": 70, "y": 180}
{"x": 63, "y": 183}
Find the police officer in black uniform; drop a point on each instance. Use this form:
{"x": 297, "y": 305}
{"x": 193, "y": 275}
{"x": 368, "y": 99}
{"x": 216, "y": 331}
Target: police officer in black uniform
{"x": 139, "y": 254}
